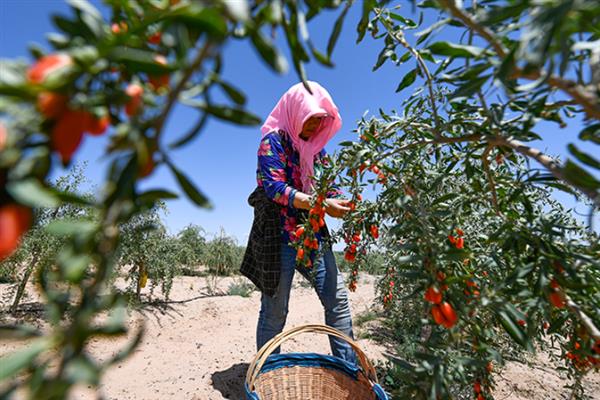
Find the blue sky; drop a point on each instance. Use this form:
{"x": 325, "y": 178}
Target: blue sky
{"x": 222, "y": 160}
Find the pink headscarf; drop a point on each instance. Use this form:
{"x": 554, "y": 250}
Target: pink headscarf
{"x": 293, "y": 109}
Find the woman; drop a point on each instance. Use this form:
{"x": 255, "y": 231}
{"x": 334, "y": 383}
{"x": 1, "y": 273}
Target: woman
{"x": 290, "y": 153}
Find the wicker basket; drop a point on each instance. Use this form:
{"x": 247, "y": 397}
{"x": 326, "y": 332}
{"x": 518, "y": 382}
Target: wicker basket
{"x": 310, "y": 376}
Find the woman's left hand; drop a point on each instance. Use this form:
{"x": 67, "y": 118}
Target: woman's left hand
{"x": 337, "y": 208}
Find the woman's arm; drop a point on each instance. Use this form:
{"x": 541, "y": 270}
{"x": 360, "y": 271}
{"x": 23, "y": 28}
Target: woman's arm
{"x": 302, "y": 201}
{"x": 335, "y": 208}
{"x": 271, "y": 169}
{"x": 271, "y": 163}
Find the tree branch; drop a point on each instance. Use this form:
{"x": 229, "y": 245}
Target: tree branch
{"x": 583, "y": 95}
{"x": 468, "y": 138}
{"x": 579, "y": 93}
{"x": 488, "y": 172}
{"x": 585, "y": 320}
{"x": 174, "y": 94}
{"x": 399, "y": 36}
{"x": 468, "y": 20}
{"x": 549, "y": 163}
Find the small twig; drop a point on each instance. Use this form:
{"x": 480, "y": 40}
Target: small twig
{"x": 202, "y": 296}
{"x": 579, "y": 93}
{"x": 468, "y": 138}
{"x": 586, "y": 98}
{"x": 468, "y": 20}
{"x": 559, "y": 104}
{"x": 192, "y": 132}
{"x": 174, "y": 94}
{"x": 549, "y": 163}
{"x": 583, "y": 317}
{"x": 399, "y": 36}
{"x": 488, "y": 172}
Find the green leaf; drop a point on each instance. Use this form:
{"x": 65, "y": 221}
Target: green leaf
{"x": 138, "y": 60}
{"x": 405, "y": 57}
{"x": 32, "y": 193}
{"x": 66, "y": 25}
{"x": 424, "y": 34}
{"x": 238, "y": 9}
{"x": 320, "y": 57}
{"x": 497, "y": 14}
{"x": 126, "y": 351}
{"x": 234, "y": 94}
{"x": 193, "y": 132}
{"x": 12, "y": 73}
{"x": 94, "y": 25}
{"x": 71, "y": 227}
{"x": 291, "y": 34}
{"x": 13, "y": 363}
{"x": 361, "y": 28}
{"x": 205, "y": 19}
{"x": 507, "y": 66}
{"x": 58, "y": 40}
{"x": 591, "y": 133}
{"x": 455, "y": 50}
{"x": 583, "y": 157}
{"x": 82, "y": 369}
{"x": 469, "y": 88}
{"x": 577, "y": 176}
{"x": 385, "y": 53}
{"x": 188, "y": 187}
{"x": 18, "y": 332}
{"x": 269, "y": 53}
{"x": 124, "y": 172}
{"x": 409, "y": 23}
{"x": 71, "y": 198}
{"x": 337, "y": 29}
{"x": 236, "y": 115}
{"x": 73, "y": 265}
{"x": 444, "y": 198}
{"x": 299, "y": 67}
{"x": 153, "y": 195}
{"x": 408, "y": 79}
{"x": 513, "y": 329}
{"x": 85, "y": 7}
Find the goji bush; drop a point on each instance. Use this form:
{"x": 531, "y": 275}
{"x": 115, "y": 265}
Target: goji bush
{"x": 480, "y": 257}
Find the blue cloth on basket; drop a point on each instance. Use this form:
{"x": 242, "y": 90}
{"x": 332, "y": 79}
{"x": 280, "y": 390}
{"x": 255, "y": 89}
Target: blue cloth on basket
{"x": 276, "y": 361}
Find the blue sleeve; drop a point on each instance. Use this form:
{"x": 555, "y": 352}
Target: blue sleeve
{"x": 271, "y": 167}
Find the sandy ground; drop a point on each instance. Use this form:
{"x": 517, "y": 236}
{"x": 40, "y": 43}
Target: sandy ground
{"x": 199, "y": 347}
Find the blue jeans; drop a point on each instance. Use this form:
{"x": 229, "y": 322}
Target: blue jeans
{"x": 329, "y": 285}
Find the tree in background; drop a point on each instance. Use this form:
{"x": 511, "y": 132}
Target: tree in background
{"x": 192, "y": 246}
{"x": 222, "y": 255}
{"x": 39, "y": 246}
{"x": 147, "y": 252}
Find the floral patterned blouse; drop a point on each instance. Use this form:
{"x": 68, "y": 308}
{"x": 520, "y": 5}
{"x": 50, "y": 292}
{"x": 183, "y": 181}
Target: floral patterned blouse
{"x": 278, "y": 173}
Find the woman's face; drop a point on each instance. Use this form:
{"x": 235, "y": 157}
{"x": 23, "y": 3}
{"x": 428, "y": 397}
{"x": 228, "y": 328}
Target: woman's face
{"x": 310, "y": 127}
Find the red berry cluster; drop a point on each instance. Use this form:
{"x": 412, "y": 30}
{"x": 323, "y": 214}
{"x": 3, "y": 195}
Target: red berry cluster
{"x": 580, "y": 360}
{"x": 442, "y": 312}
{"x": 457, "y": 241}
{"x": 471, "y": 291}
{"x": 69, "y": 124}
{"x": 305, "y": 238}
{"x": 387, "y": 299}
{"x": 556, "y": 296}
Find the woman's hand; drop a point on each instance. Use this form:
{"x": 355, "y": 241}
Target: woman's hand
{"x": 337, "y": 208}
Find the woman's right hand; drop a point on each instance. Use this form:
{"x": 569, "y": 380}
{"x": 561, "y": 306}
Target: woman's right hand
{"x": 337, "y": 208}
